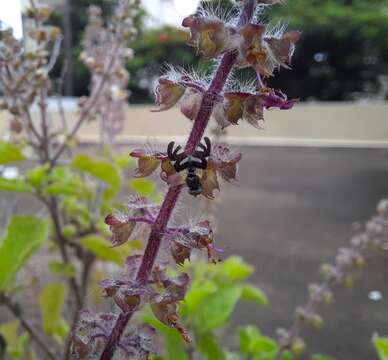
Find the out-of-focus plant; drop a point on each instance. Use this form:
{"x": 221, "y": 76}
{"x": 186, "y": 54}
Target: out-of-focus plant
{"x": 74, "y": 191}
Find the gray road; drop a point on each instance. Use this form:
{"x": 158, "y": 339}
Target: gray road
{"x": 291, "y": 210}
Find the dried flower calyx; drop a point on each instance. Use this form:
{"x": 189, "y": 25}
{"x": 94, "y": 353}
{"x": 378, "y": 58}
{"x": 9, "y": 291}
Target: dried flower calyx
{"x": 122, "y": 225}
{"x": 220, "y": 161}
{"x": 93, "y": 331}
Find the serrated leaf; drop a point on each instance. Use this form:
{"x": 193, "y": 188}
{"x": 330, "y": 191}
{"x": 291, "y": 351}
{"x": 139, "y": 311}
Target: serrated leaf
{"x": 252, "y": 293}
{"x": 101, "y": 170}
{"x": 25, "y": 234}
{"x": 102, "y": 249}
{"x": 236, "y": 269}
{"x": 10, "y": 153}
{"x": 209, "y": 347}
{"x": 174, "y": 347}
{"x": 218, "y": 307}
{"x": 143, "y": 186}
{"x": 16, "y": 185}
{"x": 381, "y": 346}
{"x": 51, "y": 302}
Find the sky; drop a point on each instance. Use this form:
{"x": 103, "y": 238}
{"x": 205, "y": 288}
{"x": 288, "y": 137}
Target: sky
{"x": 10, "y": 15}
{"x": 169, "y": 11}
{"x": 161, "y": 11}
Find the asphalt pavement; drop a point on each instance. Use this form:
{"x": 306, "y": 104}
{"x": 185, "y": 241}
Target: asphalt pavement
{"x": 291, "y": 210}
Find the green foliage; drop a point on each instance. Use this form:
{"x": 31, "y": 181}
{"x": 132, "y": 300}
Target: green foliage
{"x": 208, "y": 346}
{"x": 216, "y": 310}
{"x": 253, "y": 343}
{"x": 102, "y": 170}
{"x": 143, "y": 186}
{"x": 10, "y": 153}
{"x": 63, "y": 181}
{"x": 104, "y": 250}
{"x": 15, "y": 185}
{"x": 51, "y": 302}
{"x": 25, "y": 234}
{"x": 209, "y": 303}
{"x": 381, "y": 346}
{"x": 37, "y": 176}
{"x": 15, "y": 343}
{"x": 251, "y": 293}
{"x": 174, "y": 347}
{"x": 236, "y": 269}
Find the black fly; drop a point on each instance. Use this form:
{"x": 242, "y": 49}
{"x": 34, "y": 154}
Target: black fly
{"x": 198, "y": 160}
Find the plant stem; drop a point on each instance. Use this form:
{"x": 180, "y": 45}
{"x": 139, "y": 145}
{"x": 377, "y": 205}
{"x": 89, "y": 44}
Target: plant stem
{"x": 16, "y": 311}
{"x": 93, "y": 100}
{"x": 61, "y": 242}
{"x": 200, "y": 123}
{"x": 157, "y": 230}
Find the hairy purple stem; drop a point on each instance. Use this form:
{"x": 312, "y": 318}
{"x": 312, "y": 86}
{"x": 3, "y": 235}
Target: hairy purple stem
{"x": 158, "y": 228}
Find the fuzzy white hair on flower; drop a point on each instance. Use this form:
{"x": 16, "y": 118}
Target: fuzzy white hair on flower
{"x": 213, "y": 10}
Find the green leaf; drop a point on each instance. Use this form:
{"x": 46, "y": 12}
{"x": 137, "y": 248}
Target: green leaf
{"x": 61, "y": 331}
{"x": 252, "y": 293}
{"x": 266, "y": 349}
{"x": 175, "y": 349}
{"x": 101, "y": 170}
{"x": 51, "y": 302}
{"x": 25, "y": 234}
{"x": 38, "y": 176}
{"x": 16, "y": 185}
{"x": 208, "y": 346}
{"x": 10, "y": 153}
{"x": 287, "y": 355}
{"x": 381, "y": 346}
{"x": 144, "y": 187}
{"x": 236, "y": 269}
{"x": 248, "y": 336}
{"x": 102, "y": 249}
{"x": 321, "y": 357}
{"x": 218, "y": 307}
{"x": 15, "y": 344}
{"x": 124, "y": 161}
{"x": 63, "y": 181}
{"x": 253, "y": 343}
{"x": 60, "y": 268}
{"x": 197, "y": 294}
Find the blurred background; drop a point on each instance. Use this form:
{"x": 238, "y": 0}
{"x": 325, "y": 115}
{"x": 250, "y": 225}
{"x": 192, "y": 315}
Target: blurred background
{"x": 343, "y": 54}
